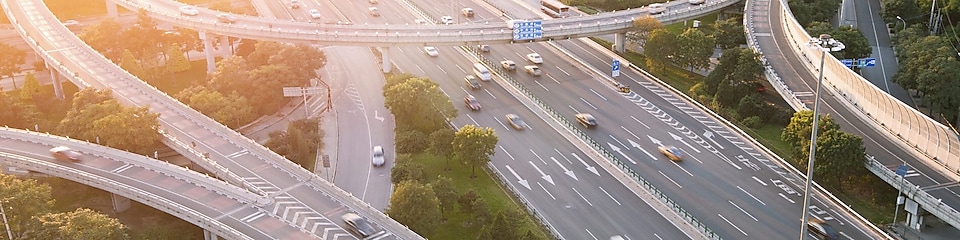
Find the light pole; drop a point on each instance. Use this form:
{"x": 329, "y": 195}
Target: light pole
{"x": 904, "y": 23}
{"x": 6, "y": 225}
{"x": 825, "y": 43}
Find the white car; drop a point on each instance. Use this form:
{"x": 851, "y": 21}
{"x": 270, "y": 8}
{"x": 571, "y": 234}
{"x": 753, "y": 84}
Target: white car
{"x": 374, "y": 11}
{"x": 446, "y": 20}
{"x": 432, "y": 51}
{"x": 189, "y": 10}
{"x": 656, "y": 8}
{"x": 534, "y": 58}
{"x": 377, "y": 156}
{"x": 314, "y": 14}
{"x": 71, "y": 23}
{"x": 696, "y": 2}
{"x": 533, "y": 70}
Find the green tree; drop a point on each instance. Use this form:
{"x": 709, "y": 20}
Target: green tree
{"x": 642, "y": 27}
{"x": 908, "y": 10}
{"x": 223, "y": 6}
{"x": 660, "y": 48}
{"x": 441, "y": 144}
{"x": 130, "y": 63}
{"x": 807, "y": 11}
{"x": 694, "y": 49}
{"x": 504, "y": 228}
{"x": 839, "y": 155}
{"x": 31, "y": 88}
{"x": 485, "y": 233}
{"x": 753, "y": 105}
{"x": 232, "y": 74}
{"x": 411, "y": 141}
{"x": 268, "y": 81}
{"x": 130, "y": 129}
{"x": 10, "y": 61}
{"x": 418, "y": 103}
{"x": 416, "y": 206}
{"x": 89, "y": 96}
{"x": 446, "y": 193}
{"x": 856, "y": 45}
{"x": 143, "y": 39}
{"x": 298, "y": 143}
{"x": 105, "y": 38}
{"x": 82, "y": 224}
{"x": 474, "y": 146}
{"x": 797, "y": 132}
{"x": 17, "y": 113}
{"x": 178, "y": 62}
{"x": 473, "y": 205}
{"x": 407, "y": 171}
{"x": 23, "y": 199}
{"x": 729, "y": 33}
{"x": 231, "y": 110}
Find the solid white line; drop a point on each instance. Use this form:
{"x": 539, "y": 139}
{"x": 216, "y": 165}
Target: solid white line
{"x": 681, "y": 168}
{"x": 505, "y": 151}
{"x": 671, "y": 179}
{"x": 538, "y": 157}
{"x": 788, "y": 199}
{"x": 591, "y": 234}
{"x": 641, "y": 123}
{"x": 751, "y": 195}
{"x": 744, "y": 211}
{"x": 631, "y": 133}
{"x": 611, "y": 196}
{"x": 564, "y": 156}
{"x": 655, "y": 235}
{"x": 491, "y": 94}
{"x": 588, "y": 103}
{"x": 621, "y": 143}
{"x": 564, "y": 72}
{"x": 598, "y": 94}
{"x": 475, "y": 123}
{"x": 500, "y": 122}
{"x": 731, "y": 224}
{"x": 441, "y": 69}
{"x": 461, "y": 69}
{"x": 581, "y": 196}
{"x": 541, "y": 85}
{"x": 545, "y": 190}
{"x": 574, "y": 109}
{"x": 421, "y": 69}
{"x": 552, "y": 78}
{"x": 760, "y": 181}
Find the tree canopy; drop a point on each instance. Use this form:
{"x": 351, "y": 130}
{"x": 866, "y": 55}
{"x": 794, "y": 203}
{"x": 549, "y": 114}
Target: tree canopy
{"x": 10, "y": 61}
{"x": 474, "y": 145}
{"x": 415, "y": 205}
{"x": 133, "y": 129}
{"x": 231, "y": 110}
{"x": 418, "y": 102}
{"x": 82, "y": 224}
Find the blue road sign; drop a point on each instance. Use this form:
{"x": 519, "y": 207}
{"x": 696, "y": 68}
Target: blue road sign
{"x": 527, "y": 30}
{"x": 902, "y": 170}
{"x": 616, "y": 68}
{"x": 847, "y": 62}
{"x": 868, "y": 62}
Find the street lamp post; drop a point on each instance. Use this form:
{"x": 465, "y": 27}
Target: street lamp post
{"x": 3, "y": 213}
{"x": 825, "y": 43}
{"x": 904, "y": 23}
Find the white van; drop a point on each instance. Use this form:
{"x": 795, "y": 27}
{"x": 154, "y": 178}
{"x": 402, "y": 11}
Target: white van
{"x": 482, "y": 72}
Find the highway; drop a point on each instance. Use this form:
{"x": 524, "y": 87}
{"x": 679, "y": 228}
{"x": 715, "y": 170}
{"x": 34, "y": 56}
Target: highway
{"x": 888, "y": 151}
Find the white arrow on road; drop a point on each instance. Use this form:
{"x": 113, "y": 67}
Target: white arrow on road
{"x": 377, "y": 116}
{"x": 616, "y": 149}
{"x": 709, "y": 135}
{"x": 522, "y": 181}
{"x": 589, "y": 168}
{"x": 568, "y": 172}
{"x": 634, "y": 144}
{"x": 655, "y": 141}
{"x": 678, "y": 138}
{"x": 544, "y": 176}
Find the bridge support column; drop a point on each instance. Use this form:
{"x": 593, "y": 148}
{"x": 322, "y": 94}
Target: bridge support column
{"x": 207, "y": 235}
{"x": 385, "y": 55}
{"x": 208, "y": 50}
{"x": 112, "y": 9}
{"x": 619, "y": 40}
{"x": 57, "y": 84}
{"x": 225, "y": 49}
{"x": 120, "y": 203}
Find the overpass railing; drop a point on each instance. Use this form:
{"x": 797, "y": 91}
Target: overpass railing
{"x": 927, "y": 201}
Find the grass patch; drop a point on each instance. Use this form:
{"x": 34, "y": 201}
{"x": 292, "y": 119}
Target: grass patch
{"x": 679, "y": 78}
{"x": 497, "y": 198}
{"x": 706, "y": 24}
{"x": 182, "y": 80}
{"x": 588, "y": 9}
{"x": 769, "y": 136}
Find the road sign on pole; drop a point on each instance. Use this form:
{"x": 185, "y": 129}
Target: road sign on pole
{"x": 902, "y": 170}
{"x": 867, "y": 62}
{"x": 527, "y": 30}
{"x": 616, "y": 68}
{"x": 847, "y": 62}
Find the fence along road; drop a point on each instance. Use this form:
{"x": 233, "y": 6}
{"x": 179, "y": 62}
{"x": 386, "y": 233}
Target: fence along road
{"x": 286, "y": 190}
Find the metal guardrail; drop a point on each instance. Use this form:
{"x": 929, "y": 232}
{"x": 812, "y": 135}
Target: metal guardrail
{"x": 569, "y": 126}
{"x": 927, "y": 201}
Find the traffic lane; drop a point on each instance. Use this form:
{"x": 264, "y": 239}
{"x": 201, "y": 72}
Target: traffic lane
{"x": 515, "y": 10}
{"x": 878, "y": 36}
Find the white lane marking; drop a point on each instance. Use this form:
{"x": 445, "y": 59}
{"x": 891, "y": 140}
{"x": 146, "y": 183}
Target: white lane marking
{"x": 731, "y": 224}
{"x": 591, "y": 234}
{"x": 751, "y": 195}
{"x": 461, "y": 69}
{"x": 641, "y": 123}
{"x": 505, "y": 151}
{"x": 491, "y": 94}
{"x": 681, "y": 168}
{"x": 671, "y": 179}
{"x": 588, "y": 103}
{"x": 598, "y": 94}
{"x": 563, "y": 156}
{"x": 444, "y": 71}
{"x": 421, "y": 69}
{"x": 545, "y": 190}
{"x": 611, "y": 196}
{"x": 618, "y": 141}
{"x": 541, "y": 85}
{"x": 628, "y": 131}
{"x": 475, "y": 123}
{"x": 691, "y": 155}
{"x": 760, "y": 181}
{"x": 574, "y": 109}
{"x": 561, "y": 70}
{"x": 500, "y": 122}
{"x": 581, "y": 196}
{"x": 655, "y": 235}
{"x": 788, "y": 199}
{"x": 538, "y": 157}
{"x": 744, "y": 211}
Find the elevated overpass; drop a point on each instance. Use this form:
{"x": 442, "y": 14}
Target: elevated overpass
{"x": 894, "y": 133}
{"x": 283, "y": 189}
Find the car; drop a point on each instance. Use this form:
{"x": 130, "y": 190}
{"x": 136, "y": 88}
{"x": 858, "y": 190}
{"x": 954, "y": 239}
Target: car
{"x": 420, "y": 22}
{"x": 432, "y": 51}
{"x": 314, "y": 14}
{"x": 586, "y": 120}
{"x": 377, "y": 156}
{"x": 446, "y": 20}
{"x": 515, "y": 121}
{"x": 533, "y": 70}
{"x": 226, "y": 18}
{"x": 358, "y": 224}
{"x": 189, "y": 10}
{"x": 65, "y": 153}
{"x": 373, "y": 1}
{"x": 467, "y": 12}
{"x": 508, "y": 65}
{"x": 821, "y": 229}
{"x": 656, "y": 8}
{"x": 472, "y": 102}
{"x": 295, "y": 4}
{"x": 534, "y": 58}
{"x": 472, "y": 82}
{"x": 696, "y": 2}
{"x": 483, "y": 48}
{"x": 374, "y": 11}
{"x": 673, "y": 153}
{"x": 71, "y": 23}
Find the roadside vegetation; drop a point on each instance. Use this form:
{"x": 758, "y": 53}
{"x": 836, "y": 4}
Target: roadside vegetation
{"x": 443, "y": 188}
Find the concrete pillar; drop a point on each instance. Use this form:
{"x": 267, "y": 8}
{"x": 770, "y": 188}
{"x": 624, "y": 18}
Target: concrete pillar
{"x": 619, "y": 42}
{"x": 207, "y": 235}
{"x": 385, "y": 53}
{"x": 225, "y": 50}
{"x": 120, "y": 203}
{"x": 57, "y": 85}
{"x": 208, "y": 50}
{"x": 112, "y": 9}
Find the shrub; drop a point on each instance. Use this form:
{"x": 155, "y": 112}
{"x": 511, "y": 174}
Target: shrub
{"x": 752, "y": 122}
{"x": 411, "y": 141}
